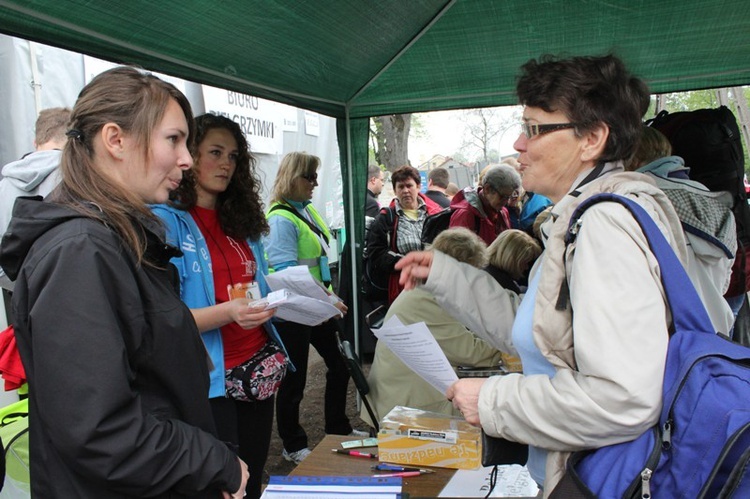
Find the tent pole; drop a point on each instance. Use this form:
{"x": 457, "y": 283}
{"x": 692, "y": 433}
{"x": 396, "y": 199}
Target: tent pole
{"x": 36, "y": 83}
{"x": 351, "y": 230}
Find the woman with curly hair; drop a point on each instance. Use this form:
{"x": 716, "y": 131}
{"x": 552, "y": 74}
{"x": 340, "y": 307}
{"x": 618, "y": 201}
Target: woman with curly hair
{"x": 216, "y": 218}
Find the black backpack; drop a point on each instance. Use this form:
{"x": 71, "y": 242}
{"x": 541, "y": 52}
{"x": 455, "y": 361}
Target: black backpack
{"x": 709, "y": 141}
{"x": 437, "y": 222}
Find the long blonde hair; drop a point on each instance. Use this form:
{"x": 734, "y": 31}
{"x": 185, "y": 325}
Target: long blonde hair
{"x": 136, "y": 102}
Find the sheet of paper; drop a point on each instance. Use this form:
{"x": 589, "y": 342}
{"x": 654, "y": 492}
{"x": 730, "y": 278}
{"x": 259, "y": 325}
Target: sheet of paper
{"x": 415, "y": 346}
{"x": 512, "y": 481}
{"x": 332, "y": 487}
{"x": 305, "y": 310}
{"x": 297, "y": 280}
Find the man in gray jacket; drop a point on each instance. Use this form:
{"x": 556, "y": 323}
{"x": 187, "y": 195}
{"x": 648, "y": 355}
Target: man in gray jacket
{"x": 36, "y": 174}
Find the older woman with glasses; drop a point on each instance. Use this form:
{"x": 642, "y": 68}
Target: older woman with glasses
{"x": 485, "y": 210}
{"x": 299, "y": 236}
{"x": 592, "y": 328}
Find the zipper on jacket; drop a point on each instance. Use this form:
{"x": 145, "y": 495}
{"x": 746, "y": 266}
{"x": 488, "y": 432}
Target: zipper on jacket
{"x": 646, "y": 484}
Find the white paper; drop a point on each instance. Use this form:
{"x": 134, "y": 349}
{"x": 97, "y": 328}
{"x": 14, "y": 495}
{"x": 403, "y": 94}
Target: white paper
{"x": 513, "y": 480}
{"x": 307, "y": 302}
{"x": 276, "y": 298}
{"x": 415, "y": 346}
{"x": 298, "y": 280}
{"x": 304, "y": 310}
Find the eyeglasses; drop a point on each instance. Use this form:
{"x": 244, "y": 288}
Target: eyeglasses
{"x": 532, "y": 130}
{"x": 310, "y": 178}
{"x": 508, "y": 197}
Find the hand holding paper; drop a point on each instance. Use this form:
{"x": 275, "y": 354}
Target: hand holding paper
{"x": 306, "y": 301}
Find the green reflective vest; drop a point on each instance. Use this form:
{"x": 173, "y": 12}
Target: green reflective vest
{"x": 309, "y": 248}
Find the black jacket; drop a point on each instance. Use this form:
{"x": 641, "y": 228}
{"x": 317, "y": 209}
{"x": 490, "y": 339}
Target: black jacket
{"x": 439, "y": 197}
{"x": 118, "y": 375}
{"x": 372, "y": 207}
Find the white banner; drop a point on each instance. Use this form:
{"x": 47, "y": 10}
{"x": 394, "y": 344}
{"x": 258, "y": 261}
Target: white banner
{"x": 289, "y": 114}
{"x": 260, "y": 120}
{"x": 312, "y": 123}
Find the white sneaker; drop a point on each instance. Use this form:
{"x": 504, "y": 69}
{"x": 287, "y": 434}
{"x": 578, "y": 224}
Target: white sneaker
{"x": 297, "y": 456}
{"x": 359, "y": 433}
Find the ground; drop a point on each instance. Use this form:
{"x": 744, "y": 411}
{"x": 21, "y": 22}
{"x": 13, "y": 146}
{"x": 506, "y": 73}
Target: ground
{"x": 311, "y": 414}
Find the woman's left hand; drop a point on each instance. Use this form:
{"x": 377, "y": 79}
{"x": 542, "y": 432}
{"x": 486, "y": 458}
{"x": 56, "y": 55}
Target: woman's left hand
{"x": 249, "y": 317}
{"x": 464, "y": 394}
{"x": 342, "y": 307}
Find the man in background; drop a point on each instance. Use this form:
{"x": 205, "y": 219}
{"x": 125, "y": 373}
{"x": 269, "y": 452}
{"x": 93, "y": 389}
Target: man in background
{"x": 375, "y": 182}
{"x": 451, "y": 190}
{"x": 437, "y": 181}
{"x": 36, "y": 174}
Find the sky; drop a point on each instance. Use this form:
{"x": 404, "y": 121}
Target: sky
{"x": 444, "y": 134}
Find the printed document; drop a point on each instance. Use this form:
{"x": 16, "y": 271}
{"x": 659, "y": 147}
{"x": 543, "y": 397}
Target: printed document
{"x": 306, "y": 301}
{"x": 415, "y": 346}
{"x": 513, "y": 480}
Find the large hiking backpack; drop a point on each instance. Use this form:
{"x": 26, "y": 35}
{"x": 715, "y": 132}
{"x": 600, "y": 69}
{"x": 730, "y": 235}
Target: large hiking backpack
{"x": 709, "y": 141}
{"x": 699, "y": 447}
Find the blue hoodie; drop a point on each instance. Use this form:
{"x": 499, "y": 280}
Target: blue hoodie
{"x": 197, "y": 282}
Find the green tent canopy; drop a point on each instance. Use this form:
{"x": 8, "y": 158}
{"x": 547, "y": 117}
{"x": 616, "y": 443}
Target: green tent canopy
{"x": 352, "y": 59}
{"x": 368, "y": 58}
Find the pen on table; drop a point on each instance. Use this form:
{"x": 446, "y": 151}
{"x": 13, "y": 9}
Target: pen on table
{"x": 355, "y": 453}
{"x": 398, "y": 473}
{"x": 395, "y": 467}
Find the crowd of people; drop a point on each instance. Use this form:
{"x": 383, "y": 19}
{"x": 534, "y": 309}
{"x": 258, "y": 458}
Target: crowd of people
{"x": 137, "y": 284}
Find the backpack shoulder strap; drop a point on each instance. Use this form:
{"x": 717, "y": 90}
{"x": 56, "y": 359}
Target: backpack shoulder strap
{"x": 294, "y": 212}
{"x": 688, "y": 312}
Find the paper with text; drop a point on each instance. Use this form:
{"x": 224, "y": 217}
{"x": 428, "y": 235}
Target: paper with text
{"x": 298, "y": 280}
{"x": 512, "y": 481}
{"x": 306, "y": 301}
{"x": 304, "y": 310}
{"x": 415, "y": 346}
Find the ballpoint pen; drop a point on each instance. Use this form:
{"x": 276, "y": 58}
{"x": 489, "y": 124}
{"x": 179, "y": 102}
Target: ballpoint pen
{"x": 355, "y": 453}
{"x": 396, "y": 467}
{"x": 399, "y": 474}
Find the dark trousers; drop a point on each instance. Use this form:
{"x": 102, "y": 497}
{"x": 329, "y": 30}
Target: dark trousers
{"x": 297, "y": 338}
{"x": 248, "y": 426}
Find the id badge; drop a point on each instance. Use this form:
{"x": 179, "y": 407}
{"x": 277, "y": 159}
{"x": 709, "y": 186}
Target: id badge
{"x": 249, "y": 290}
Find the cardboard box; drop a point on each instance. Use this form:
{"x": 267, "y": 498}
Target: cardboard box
{"x": 423, "y": 438}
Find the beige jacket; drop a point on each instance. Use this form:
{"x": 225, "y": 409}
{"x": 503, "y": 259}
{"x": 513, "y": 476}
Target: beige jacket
{"x": 608, "y": 346}
{"x": 393, "y": 383}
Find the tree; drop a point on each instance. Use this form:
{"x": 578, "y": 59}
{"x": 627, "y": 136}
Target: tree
{"x": 390, "y": 140}
{"x": 482, "y": 127}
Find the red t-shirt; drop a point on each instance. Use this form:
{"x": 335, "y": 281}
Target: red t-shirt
{"x": 233, "y": 264}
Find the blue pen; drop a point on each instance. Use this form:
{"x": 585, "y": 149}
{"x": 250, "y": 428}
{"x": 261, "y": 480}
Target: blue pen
{"x": 394, "y": 467}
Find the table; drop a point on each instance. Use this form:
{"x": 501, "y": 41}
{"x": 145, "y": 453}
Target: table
{"x": 324, "y": 462}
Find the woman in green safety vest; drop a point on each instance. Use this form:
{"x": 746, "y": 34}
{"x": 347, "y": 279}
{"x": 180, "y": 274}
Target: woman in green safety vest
{"x": 299, "y": 236}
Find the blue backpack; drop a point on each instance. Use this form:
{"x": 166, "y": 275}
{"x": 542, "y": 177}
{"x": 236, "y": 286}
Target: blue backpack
{"x": 700, "y": 448}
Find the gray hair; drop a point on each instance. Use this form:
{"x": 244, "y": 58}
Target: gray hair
{"x": 502, "y": 178}
{"x": 373, "y": 171}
